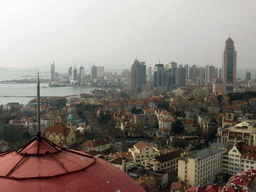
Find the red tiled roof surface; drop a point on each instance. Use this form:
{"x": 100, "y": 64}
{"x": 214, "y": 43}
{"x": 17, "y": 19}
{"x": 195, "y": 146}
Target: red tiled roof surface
{"x": 212, "y": 188}
{"x": 147, "y": 182}
{"x": 91, "y": 144}
{"x": 58, "y": 129}
{"x": 141, "y": 145}
{"x": 181, "y": 186}
{"x": 169, "y": 156}
{"x": 246, "y": 150}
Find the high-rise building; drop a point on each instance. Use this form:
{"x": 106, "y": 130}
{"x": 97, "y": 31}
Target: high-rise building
{"x": 70, "y": 74}
{"x": 94, "y": 72}
{"x": 186, "y": 71}
{"x": 180, "y": 77}
{"x": 159, "y": 75}
{"x": 100, "y": 71}
{"x": 150, "y": 74}
{"x": 229, "y": 65}
{"x": 219, "y": 73}
{"x": 248, "y": 76}
{"x": 81, "y": 74}
{"x": 138, "y": 75}
{"x": 74, "y": 76}
{"x": 143, "y": 72}
{"x": 210, "y": 73}
{"x": 201, "y": 72}
{"x": 52, "y": 71}
{"x": 193, "y": 72}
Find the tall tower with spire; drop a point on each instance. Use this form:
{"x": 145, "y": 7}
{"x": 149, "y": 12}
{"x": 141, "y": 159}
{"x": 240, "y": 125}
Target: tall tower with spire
{"x": 229, "y": 65}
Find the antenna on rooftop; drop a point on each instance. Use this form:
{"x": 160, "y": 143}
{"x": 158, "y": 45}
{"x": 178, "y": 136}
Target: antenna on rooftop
{"x": 38, "y": 107}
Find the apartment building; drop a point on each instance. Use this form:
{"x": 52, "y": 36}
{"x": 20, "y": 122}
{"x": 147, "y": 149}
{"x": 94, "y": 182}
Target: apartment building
{"x": 165, "y": 162}
{"x": 145, "y": 120}
{"x": 241, "y": 132}
{"x": 241, "y": 157}
{"x": 142, "y": 151}
{"x": 200, "y": 168}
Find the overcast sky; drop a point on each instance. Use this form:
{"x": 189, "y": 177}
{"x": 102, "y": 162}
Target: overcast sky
{"x": 113, "y": 33}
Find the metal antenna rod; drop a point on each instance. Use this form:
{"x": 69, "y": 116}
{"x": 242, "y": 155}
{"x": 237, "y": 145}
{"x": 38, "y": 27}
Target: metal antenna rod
{"x": 38, "y": 107}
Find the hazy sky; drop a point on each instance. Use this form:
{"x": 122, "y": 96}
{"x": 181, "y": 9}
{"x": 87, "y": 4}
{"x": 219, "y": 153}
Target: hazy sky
{"x": 113, "y": 33}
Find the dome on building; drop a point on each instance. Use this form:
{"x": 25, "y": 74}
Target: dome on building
{"x": 71, "y": 118}
{"x": 43, "y": 166}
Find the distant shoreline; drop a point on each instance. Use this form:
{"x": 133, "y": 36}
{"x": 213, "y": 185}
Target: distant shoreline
{"x": 25, "y": 81}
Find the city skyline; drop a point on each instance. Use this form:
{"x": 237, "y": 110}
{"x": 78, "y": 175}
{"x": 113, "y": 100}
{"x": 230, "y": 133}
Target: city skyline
{"x": 190, "y": 32}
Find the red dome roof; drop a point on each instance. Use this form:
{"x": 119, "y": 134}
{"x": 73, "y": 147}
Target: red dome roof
{"x": 43, "y": 166}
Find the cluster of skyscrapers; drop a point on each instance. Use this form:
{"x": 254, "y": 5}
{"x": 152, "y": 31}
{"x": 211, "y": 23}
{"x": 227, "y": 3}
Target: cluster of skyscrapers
{"x": 171, "y": 76}
{"x": 75, "y": 76}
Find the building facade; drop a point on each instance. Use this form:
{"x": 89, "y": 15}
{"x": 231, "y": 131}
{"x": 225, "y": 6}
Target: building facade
{"x": 241, "y": 157}
{"x": 138, "y": 75}
{"x": 200, "y": 168}
{"x": 142, "y": 151}
{"x": 229, "y": 65}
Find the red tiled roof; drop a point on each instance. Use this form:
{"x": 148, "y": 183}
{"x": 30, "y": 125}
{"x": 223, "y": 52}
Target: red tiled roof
{"x": 58, "y": 129}
{"x": 141, "y": 145}
{"x": 212, "y": 188}
{"x": 92, "y": 144}
{"x": 180, "y": 186}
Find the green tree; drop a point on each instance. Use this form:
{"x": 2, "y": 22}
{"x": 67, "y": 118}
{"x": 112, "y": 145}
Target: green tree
{"x": 178, "y": 127}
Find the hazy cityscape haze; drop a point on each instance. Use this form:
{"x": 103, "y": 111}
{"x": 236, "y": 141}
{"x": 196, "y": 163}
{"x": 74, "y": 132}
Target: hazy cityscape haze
{"x": 113, "y": 33}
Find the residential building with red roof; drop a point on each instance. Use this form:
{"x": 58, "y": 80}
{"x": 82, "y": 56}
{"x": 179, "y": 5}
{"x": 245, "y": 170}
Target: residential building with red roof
{"x": 244, "y": 131}
{"x": 64, "y": 134}
{"x": 180, "y": 186}
{"x": 142, "y": 151}
{"x": 166, "y": 162}
{"x": 241, "y": 157}
{"x": 95, "y": 145}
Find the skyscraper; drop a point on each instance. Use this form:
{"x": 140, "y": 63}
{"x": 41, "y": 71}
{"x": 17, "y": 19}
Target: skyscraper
{"x": 94, "y": 72}
{"x": 52, "y": 71}
{"x": 180, "y": 76}
{"x": 193, "y": 72}
{"x": 159, "y": 75}
{"x": 150, "y": 74}
{"x": 229, "y": 65}
{"x": 81, "y": 74}
{"x": 248, "y": 76}
{"x": 138, "y": 75}
{"x": 186, "y": 71}
{"x": 100, "y": 71}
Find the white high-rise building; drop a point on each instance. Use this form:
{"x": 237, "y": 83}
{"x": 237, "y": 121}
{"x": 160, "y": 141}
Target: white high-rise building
{"x": 52, "y": 71}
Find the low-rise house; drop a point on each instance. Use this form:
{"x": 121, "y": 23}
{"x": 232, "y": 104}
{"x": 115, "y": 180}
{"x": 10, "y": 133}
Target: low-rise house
{"x": 95, "y": 145}
{"x": 142, "y": 151}
{"x": 180, "y": 186}
{"x": 149, "y": 183}
{"x": 64, "y": 134}
{"x": 167, "y": 162}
